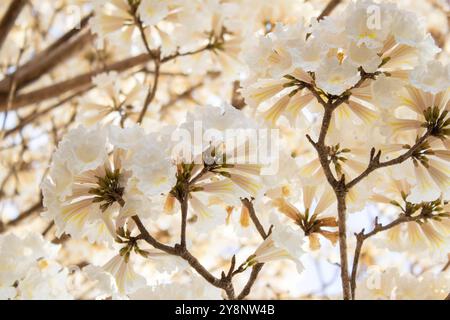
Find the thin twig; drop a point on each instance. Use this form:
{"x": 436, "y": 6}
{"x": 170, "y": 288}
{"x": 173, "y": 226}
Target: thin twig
{"x": 256, "y": 269}
{"x": 362, "y": 236}
{"x": 22, "y": 216}
{"x": 248, "y": 204}
{"x": 375, "y": 163}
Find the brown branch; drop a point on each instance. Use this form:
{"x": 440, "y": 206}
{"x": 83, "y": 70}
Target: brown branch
{"x": 253, "y": 276}
{"x": 362, "y": 236}
{"x": 338, "y": 184}
{"x": 76, "y": 82}
{"x": 225, "y": 281}
{"x": 340, "y": 191}
{"x": 184, "y": 211}
{"x": 59, "y": 88}
{"x": 156, "y": 57}
{"x": 9, "y": 18}
{"x": 147, "y": 237}
{"x": 447, "y": 265}
{"x": 375, "y": 163}
{"x": 151, "y": 92}
{"x": 22, "y": 216}
{"x": 36, "y": 115}
{"x": 237, "y": 100}
{"x": 329, "y": 8}
{"x": 222, "y": 283}
{"x": 69, "y": 44}
{"x": 48, "y": 228}
{"x": 342, "y": 226}
{"x": 256, "y": 269}
{"x": 249, "y": 205}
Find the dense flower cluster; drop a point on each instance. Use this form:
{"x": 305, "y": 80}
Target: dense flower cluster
{"x": 29, "y": 269}
{"x": 227, "y": 149}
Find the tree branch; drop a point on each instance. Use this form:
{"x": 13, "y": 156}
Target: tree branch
{"x": 9, "y": 18}
{"x": 66, "y": 46}
{"x": 329, "y": 8}
{"x": 147, "y": 237}
{"x": 256, "y": 269}
{"x": 36, "y": 115}
{"x": 248, "y": 204}
{"x": 361, "y": 237}
{"x": 375, "y": 163}
{"x": 22, "y": 216}
{"x": 339, "y": 187}
{"x": 55, "y": 90}
{"x": 251, "y": 281}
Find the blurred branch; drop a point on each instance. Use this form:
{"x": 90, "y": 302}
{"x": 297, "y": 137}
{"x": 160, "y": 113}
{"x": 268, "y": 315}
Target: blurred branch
{"x": 187, "y": 94}
{"x": 35, "y": 115}
{"x": 22, "y": 216}
{"x": 69, "y": 44}
{"x": 237, "y": 100}
{"x": 55, "y": 90}
{"x": 59, "y": 88}
{"x": 329, "y": 8}
{"x": 156, "y": 57}
{"x": 9, "y": 18}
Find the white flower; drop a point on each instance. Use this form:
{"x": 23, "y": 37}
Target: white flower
{"x": 391, "y": 284}
{"x": 126, "y": 138}
{"x": 152, "y": 166}
{"x": 82, "y": 149}
{"x": 85, "y": 194}
{"x": 114, "y": 100}
{"x": 335, "y": 78}
{"x": 408, "y": 28}
{"x": 362, "y": 56}
{"x": 28, "y": 269}
{"x": 46, "y": 281}
{"x": 197, "y": 288}
{"x": 368, "y": 22}
{"x": 117, "y": 277}
{"x": 309, "y": 54}
{"x": 283, "y": 243}
{"x": 112, "y": 20}
{"x": 433, "y": 77}
{"x": 153, "y": 11}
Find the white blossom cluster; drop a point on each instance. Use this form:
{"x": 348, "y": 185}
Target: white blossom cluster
{"x": 217, "y": 140}
{"x": 30, "y": 270}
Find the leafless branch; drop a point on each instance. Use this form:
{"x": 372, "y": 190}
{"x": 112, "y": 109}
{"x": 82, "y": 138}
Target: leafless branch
{"x": 68, "y": 45}
{"x": 329, "y": 8}
{"x": 9, "y": 18}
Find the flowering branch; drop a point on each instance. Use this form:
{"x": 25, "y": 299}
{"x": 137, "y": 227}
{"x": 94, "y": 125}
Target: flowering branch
{"x": 378, "y": 227}
{"x": 374, "y": 162}
{"x": 338, "y": 184}
{"x": 180, "y": 250}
